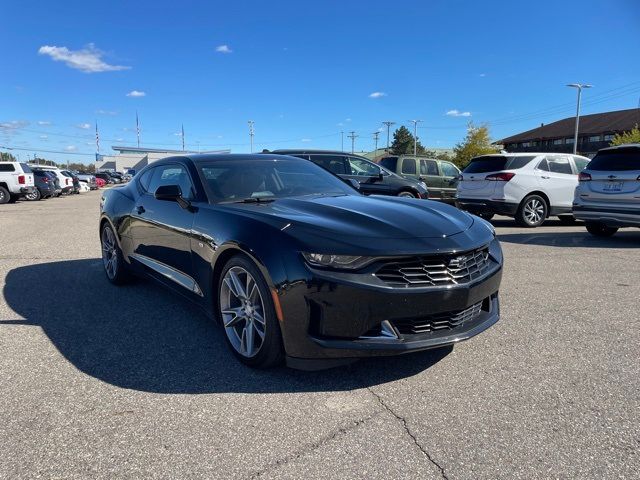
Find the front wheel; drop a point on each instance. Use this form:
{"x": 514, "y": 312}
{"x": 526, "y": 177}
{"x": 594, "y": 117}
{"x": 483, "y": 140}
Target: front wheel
{"x": 248, "y": 315}
{"x": 532, "y": 212}
{"x": 600, "y": 229}
{"x": 5, "y": 196}
{"x": 406, "y": 194}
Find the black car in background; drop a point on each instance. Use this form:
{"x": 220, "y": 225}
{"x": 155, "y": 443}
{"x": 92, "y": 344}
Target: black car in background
{"x": 294, "y": 262}
{"x": 373, "y": 179}
{"x": 106, "y": 177}
{"x": 45, "y": 187}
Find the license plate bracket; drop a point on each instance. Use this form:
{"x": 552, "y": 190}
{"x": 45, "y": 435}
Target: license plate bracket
{"x": 613, "y": 186}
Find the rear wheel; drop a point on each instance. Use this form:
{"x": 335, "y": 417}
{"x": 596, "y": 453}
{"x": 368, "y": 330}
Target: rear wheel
{"x": 4, "y": 195}
{"x": 35, "y": 195}
{"x": 532, "y": 212}
{"x": 600, "y": 229}
{"x": 407, "y": 194}
{"x": 112, "y": 259}
{"x": 248, "y": 314}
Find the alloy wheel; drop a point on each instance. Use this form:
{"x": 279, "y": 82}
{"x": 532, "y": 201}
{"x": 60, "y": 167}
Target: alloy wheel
{"x": 109, "y": 252}
{"x": 534, "y": 211}
{"x": 242, "y": 310}
{"x": 406, "y": 195}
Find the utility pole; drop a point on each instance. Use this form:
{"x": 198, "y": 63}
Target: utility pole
{"x": 415, "y": 135}
{"x": 375, "y": 139}
{"x": 388, "y": 125}
{"x": 138, "y": 129}
{"x": 342, "y": 141}
{"x": 251, "y": 133}
{"x": 353, "y": 137}
{"x": 182, "y": 135}
{"x": 579, "y": 86}
{"x": 97, "y": 141}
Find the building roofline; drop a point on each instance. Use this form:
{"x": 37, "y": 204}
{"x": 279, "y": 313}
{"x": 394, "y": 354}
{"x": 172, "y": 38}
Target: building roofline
{"x": 119, "y": 148}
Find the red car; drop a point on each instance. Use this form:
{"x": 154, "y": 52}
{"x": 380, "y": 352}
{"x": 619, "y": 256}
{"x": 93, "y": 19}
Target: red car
{"x": 100, "y": 182}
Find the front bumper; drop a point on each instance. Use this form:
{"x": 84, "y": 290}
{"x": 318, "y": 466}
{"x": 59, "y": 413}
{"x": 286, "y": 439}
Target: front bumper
{"x": 326, "y": 319}
{"x": 478, "y": 206}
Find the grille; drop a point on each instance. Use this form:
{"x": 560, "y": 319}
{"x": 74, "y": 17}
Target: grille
{"x": 440, "y": 321}
{"x": 435, "y": 271}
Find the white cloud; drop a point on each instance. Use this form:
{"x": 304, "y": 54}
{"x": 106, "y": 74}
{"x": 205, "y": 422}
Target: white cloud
{"x": 340, "y": 124}
{"x": 119, "y": 139}
{"x": 381, "y": 129}
{"x": 305, "y": 140}
{"x": 223, "y": 49}
{"x": 84, "y": 126}
{"x": 377, "y": 95}
{"x": 483, "y": 74}
{"x": 106, "y": 112}
{"x": 457, "y": 113}
{"x": 44, "y": 137}
{"x": 136, "y": 93}
{"x": 70, "y": 148}
{"x": 347, "y": 119}
{"x": 87, "y": 60}
{"x": 44, "y": 123}
{"x": 13, "y": 124}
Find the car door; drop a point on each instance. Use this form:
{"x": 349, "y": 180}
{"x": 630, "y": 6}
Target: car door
{"x": 367, "y": 174}
{"x": 430, "y": 175}
{"x": 161, "y": 229}
{"x": 450, "y": 178}
{"x": 557, "y": 179}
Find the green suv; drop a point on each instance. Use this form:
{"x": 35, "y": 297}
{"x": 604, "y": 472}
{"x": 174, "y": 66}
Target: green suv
{"x": 440, "y": 176}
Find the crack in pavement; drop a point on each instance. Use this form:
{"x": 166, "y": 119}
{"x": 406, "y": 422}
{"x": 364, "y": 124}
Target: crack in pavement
{"x": 313, "y": 446}
{"x": 406, "y": 429}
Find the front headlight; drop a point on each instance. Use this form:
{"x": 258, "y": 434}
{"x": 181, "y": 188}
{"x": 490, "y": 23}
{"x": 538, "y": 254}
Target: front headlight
{"x": 346, "y": 262}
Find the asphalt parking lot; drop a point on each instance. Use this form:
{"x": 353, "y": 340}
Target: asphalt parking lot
{"x": 103, "y": 382}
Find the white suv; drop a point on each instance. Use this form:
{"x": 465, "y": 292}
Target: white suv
{"x": 16, "y": 180}
{"x": 527, "y": 186}
{"x": 608, "y": 196}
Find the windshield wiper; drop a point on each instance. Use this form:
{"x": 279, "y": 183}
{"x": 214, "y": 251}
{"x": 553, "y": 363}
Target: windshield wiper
{"x": 256, "y": 200}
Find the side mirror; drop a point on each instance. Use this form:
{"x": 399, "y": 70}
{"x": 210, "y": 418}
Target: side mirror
{"x": 380, "y": 176}
{"x": 172, "y": 193}
{"x": 168, "y": 192}
{"x": 353, "y": 183}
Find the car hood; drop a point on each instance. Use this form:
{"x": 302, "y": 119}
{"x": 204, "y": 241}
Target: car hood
{"x": 360, "y": 216}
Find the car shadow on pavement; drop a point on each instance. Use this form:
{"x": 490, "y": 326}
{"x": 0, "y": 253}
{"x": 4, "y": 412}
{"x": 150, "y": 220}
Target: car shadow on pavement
{"x": 144, "y": 337}
{"x": 578, "y": 238}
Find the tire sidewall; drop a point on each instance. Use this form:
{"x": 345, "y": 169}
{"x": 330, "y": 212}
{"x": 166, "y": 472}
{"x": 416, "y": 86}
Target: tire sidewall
{"x": 122, "y": 274}
{"x": 4, "y": 195}
{"x": 406, "y": 194}
{"x": 271, "y": 351}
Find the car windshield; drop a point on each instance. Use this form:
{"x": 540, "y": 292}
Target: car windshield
{"x": 389, "y": 163}
{"x": 495, "y": 163}
{"x": 268, "y": 179}
{"x": 617, "y": 160}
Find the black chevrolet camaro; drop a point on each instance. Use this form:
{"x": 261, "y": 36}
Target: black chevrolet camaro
{"x": 295, "y": 263}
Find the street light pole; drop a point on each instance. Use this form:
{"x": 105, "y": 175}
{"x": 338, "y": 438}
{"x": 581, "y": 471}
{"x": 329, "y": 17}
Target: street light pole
{"x": 251, "y": 133}
{"x": 579, "y": 86}
{"x": 342, "y": 141}
{"x": 415, "y": 135}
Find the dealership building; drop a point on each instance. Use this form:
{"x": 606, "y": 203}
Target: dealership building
{"x": 595, "y": 132}
{"x": 138, "y": 157}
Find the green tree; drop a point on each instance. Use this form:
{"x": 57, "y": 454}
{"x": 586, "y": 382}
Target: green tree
{"x": 403, "y": 142}
{"x": 632, "y": 136}
{"x": 7, "y": 157}
{"x": 477, "y": 142}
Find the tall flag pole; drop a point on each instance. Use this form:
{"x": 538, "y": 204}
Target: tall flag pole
{"x": 138, "y": 129}
{"x": 183, "y": 137}
{"x": 97, "y": 140}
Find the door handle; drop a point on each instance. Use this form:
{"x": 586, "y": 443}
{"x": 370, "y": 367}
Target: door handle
{"x": 140, "y": 209}
{"x": 546, "y": 178}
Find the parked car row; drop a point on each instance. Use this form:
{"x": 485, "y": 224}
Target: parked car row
{"x": 36, "y": 182}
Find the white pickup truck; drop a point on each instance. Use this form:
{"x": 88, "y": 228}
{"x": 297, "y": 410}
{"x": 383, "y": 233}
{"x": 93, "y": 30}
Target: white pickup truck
{"x": 16, "y": 181}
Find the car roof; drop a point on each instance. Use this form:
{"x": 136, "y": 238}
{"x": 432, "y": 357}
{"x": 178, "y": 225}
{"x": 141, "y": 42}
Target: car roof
{"x": 306, "y": 151}
{"x": 527, "y": 154}
{"x": 221, "y": 157}
{"x": 625, "y": 145}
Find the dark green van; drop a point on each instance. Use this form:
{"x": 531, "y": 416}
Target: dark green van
{"x": 440, "y": 176}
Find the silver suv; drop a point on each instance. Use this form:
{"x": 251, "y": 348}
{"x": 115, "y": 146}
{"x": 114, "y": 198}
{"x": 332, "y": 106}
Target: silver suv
{"x": 608, "y": 194}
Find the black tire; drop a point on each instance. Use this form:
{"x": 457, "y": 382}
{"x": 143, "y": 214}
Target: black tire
{"x": 532, "y": 212}
{"x": 119, "y": 275}
{"x": 486, "y": 216}
{"x": 407, "y": 194}
{"x": 4, "y": 195}
{"x": 567, "y": 219}
{"x": 270, "y": 352}
{"x": 13, "y": 198}
{"x": 33, "y": 197}
{"x": 600, "y": 229}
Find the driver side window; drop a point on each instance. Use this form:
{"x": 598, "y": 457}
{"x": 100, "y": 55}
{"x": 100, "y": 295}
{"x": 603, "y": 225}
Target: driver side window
{"x": 172, "y": 175}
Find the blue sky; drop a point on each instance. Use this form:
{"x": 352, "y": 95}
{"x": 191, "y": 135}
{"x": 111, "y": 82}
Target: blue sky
{"x": 303, "y": 71}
